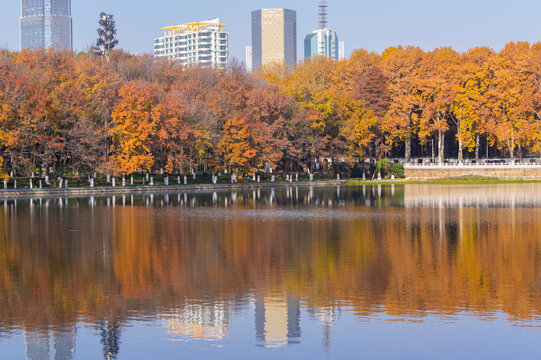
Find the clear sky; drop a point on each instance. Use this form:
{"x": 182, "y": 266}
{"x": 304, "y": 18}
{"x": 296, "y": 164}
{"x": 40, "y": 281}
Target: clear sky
{"x": 373, "y": 25}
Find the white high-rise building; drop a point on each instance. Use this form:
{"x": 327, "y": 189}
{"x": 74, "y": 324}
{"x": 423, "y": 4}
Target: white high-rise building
{"x": 341, "y": 50}
{"x": 203, "y": 43}
{"x": 249, "y": 59}
{"x": 323, "y": 41}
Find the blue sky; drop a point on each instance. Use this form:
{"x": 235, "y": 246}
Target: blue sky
{"x": 373, "y": 25}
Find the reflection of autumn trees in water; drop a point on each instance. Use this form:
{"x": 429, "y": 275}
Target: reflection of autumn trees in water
{"x": 58, "y": 265}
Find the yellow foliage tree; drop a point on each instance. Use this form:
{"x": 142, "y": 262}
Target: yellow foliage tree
{"x": 237, "y": 147}
{"x": 3, "y": 174}
{"x": 134, "y": 119}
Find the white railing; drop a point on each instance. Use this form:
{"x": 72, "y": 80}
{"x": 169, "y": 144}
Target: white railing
{"x": 472, "y": 165}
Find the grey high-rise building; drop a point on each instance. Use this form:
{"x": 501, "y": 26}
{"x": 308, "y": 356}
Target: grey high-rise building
{"x": 46, "y": 24}
{"x": 274, "y": 37}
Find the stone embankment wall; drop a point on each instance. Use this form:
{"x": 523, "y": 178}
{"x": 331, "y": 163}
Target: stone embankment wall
{"x": 500, "y": 171}
{"x": 134, "y": 190}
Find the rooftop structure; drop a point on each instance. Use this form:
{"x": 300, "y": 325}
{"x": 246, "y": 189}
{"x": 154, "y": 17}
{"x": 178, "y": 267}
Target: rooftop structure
{"x": 323, "y": 13}
{"x": 323, "y": 41}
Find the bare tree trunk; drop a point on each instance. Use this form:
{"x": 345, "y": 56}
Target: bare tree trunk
{"x": 511, "y": 151}
{"x": 460, "y": 148}
{"x": 408, "y": 150}
{"x": 477, "y": 145}
{"x": 520, "y": 153}
{"x": 512, "y": 147}
{"x": 441, "y": 147}
{"x": 487, "y": 150}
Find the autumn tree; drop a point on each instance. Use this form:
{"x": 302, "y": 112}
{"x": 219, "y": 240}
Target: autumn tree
{"x": 134, "y": 118}
{"x": 437, "y": 82}
{"x": 35, "y": 116}
{"x": 340, "y": 123}
{"x": 401, "y": 68}
{"x": 237, "y": 147}
{"x": 511, "y": 117}
{"x": 363, "y": 79}
{"x": 269, "y": 113}
{"x": 467, "y": 110}
{"x": 169, "y": 139}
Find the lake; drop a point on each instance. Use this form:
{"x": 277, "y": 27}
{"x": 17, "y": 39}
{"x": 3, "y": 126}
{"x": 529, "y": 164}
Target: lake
{"x": 375, "y": 272}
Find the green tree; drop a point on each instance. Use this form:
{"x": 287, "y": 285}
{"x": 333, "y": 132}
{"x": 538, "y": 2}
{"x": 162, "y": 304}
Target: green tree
{"x": 107, "y": 40}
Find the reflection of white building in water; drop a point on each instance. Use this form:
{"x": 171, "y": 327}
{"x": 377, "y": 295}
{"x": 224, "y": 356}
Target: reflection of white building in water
{"x": 277, "y": 321}
{"x": 50, "y": 345}
{"x": 199, "y": 322}
{"x": 328, "y": 316}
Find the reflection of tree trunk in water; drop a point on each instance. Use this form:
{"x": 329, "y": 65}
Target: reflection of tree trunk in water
{"x": 461, "y": 230}
{"x": 110, "y": 339}
{"x": 441, "y": 146}
{"x": 408, "y": 150}
{"x": 477, "y": 143}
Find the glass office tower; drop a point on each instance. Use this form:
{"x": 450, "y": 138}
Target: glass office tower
{"x": 46, "y": 24}
{"x": 274, "y": 37}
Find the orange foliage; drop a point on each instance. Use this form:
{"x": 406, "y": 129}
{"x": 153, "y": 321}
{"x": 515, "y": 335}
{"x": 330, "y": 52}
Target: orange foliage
{"x": 68, "y": 113}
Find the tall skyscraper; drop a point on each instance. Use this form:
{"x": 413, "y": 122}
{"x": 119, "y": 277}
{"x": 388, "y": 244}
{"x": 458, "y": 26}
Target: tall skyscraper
{"x": 274, "y": 37}
{"x": 323, "y": 41}
{"x": 46, "y": 24}
{"x": 202, "y": 43}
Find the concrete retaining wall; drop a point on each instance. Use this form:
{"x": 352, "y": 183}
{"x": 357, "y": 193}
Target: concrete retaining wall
{"x": 503, "y": 171}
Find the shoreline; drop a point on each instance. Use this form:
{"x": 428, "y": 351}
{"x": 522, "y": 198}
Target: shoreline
{"x": 134, "y": 190}
{"x": 488, "y": 181}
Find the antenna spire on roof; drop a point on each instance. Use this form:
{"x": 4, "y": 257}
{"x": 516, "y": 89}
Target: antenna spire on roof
{"x": 323, "y": 12}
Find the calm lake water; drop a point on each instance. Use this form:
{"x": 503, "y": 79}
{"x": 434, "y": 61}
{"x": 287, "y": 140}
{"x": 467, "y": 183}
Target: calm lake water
{"x": 392, "y": 272}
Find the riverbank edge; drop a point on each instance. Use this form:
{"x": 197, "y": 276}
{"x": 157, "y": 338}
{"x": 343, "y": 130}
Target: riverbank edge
{"x": 134, "y": 190}
{"x": 440, "y": 182}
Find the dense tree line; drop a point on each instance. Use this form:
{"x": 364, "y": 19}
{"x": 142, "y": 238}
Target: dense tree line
{"x": 63, "y": 113}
